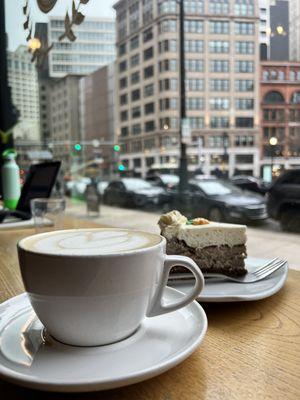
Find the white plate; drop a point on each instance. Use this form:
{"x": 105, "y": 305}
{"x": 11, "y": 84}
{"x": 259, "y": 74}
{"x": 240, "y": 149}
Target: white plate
{"x": 158, "y": 345}
{"x": 216, "y": 290}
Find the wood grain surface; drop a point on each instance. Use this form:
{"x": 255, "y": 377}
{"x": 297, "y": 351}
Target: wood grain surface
{"x": 251, "y": 350}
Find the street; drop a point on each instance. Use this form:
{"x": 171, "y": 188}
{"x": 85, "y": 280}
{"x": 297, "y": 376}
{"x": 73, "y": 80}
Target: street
{"x": 265, "y": 240}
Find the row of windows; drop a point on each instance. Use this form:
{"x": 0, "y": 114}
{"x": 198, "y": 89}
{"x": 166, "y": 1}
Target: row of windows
{"x": 87, "y": 25}
{"x": 215, "y": 27}
{"x": 191, "y": 26}
{"x": 241, "y": 8}
{"x": 278, "y": 115}
{"x": 75, "y": 69}
{"x": 239, "y": 140}
{"x": 217, "y": 85}
{"x": 195, "y": 123}
{"x": 86, "y": 47}
{"x": 79, "y": 57}
{"x": 196, "y": 46}
{"x": 272, "y": 75}
{"x": 91, "y": 36}
{"x": 192, "y": 65}
{"x": 192, "y": 103}
{"x": 20, "y": 65}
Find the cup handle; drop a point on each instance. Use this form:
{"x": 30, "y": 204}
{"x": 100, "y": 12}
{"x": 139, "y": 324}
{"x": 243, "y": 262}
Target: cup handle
{"x": 157, "y": 307}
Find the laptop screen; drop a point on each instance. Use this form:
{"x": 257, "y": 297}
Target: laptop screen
{"x": 38, "y": 184}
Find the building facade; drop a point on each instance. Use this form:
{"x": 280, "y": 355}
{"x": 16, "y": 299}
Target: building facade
{"x": 222, "y": 84}
{"x": 23, "y": 80}
{"x": 64, "y": 120}
{"x": 97, "y": 119}
{"x": 279, "y": 33}
{"x": 93, "y": 48}
{"x": 280, "y": 114}
{"x": 294, "y": 17}
{"x": 264, "y": 31}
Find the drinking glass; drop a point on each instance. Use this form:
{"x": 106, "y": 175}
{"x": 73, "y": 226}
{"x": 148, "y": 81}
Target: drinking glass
{"x": 48, "y": 214}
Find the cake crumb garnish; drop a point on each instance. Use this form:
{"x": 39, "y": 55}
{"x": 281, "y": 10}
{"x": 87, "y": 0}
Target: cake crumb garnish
{"x": 199, "y": 221}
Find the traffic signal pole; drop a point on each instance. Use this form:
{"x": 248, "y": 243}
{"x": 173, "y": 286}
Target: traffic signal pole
{"x": 183, "y": 164}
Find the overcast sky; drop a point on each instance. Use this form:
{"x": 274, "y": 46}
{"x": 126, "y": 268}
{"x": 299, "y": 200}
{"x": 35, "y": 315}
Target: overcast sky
{"x": 14, "y": 17}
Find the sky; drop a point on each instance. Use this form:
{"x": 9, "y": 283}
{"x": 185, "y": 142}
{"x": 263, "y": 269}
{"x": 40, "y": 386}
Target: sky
{"x": 14, "y": 17}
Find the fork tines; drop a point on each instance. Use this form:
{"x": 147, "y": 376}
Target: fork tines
{"x": 269, "y": 266}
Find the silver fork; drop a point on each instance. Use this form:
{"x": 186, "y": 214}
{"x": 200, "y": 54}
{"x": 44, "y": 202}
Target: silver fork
{"x": 260, "y": 273}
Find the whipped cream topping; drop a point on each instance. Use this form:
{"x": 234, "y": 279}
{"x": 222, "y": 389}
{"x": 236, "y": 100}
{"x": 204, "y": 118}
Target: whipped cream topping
{"x": 174, "y": 225}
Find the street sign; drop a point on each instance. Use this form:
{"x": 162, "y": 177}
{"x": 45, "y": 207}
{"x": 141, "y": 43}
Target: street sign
{"x": 186, "y": 131}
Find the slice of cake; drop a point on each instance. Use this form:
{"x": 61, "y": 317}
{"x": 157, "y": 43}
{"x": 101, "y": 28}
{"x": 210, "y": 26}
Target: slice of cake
{"x": 215, "y": 247}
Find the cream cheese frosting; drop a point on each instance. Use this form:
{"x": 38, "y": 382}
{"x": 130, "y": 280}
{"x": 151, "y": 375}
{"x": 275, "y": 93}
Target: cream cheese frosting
{"x": 175, "y": 225}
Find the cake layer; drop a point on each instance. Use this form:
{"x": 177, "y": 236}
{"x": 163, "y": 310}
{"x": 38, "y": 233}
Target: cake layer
{"x": 223, "y": 259}
{"x": 175, "y": 225}
{"x": 212, "y": 234}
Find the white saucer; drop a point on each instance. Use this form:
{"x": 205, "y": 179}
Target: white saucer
{"x": 219, "y": 291}
{"x": 27, "y": 359}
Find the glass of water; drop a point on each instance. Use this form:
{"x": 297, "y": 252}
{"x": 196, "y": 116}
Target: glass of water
{"x": 48, "y": 214}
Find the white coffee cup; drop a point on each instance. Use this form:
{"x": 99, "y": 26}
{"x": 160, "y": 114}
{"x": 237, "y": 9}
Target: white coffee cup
{"x": 89, "y": 289}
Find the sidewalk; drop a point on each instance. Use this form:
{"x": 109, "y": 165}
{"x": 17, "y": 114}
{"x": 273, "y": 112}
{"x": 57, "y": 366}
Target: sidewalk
{"x": 261, "y": 243}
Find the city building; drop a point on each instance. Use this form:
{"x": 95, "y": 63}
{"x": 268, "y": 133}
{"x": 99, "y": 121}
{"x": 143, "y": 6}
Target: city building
{"x": 97, "y": 117}
{"x": 280, "y": 115}
{"x": 222, "y": 84}
{"x": 279, "y": 33}
{"x": 65, "y": 121}
{"x": 94, "y": 46}
{"x": 23, "y": 81}
{"x": 294, "y": 17}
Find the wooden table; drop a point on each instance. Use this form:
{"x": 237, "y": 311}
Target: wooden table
{"x": 251, "y": 350}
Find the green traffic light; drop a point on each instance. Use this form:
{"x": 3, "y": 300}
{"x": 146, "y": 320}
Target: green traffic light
{"x": 117, "y": 147}
{"x": 121, "y": 168}
{"x": 77, "y": 147}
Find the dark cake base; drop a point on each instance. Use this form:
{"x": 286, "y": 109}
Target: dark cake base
{"x": 216, "y": 259}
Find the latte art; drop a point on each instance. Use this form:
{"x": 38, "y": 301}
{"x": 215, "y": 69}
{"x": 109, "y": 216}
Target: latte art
{"x": 90, "y": 241}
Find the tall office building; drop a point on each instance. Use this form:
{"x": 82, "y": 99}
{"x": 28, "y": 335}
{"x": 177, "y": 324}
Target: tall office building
{"x": 93, "y": 48}
{"x": 294, "y": 17}
{"x": 64, "y": 121}
{"x": 22, "y": 77}
{"x": 279, "y": 33}
{"x": 97, "y": 118}
{"x": 222, "y": 84}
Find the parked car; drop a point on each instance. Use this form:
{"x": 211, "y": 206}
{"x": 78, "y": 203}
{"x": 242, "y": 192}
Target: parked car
{"x": 133, "y": 192}
{"x": 166, "y": 181}
{"x": 250, "y": 183}
{"x": 219, "y": 200}
{"x": 77, "y": 187}
{"x": 283, "y": 200}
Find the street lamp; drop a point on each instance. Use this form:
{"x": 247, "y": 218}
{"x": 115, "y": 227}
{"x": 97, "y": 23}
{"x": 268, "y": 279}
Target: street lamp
{"x": 272, "y": 142}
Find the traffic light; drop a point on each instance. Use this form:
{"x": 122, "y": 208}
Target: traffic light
{"x": 77, "y": 147}
{"x": 121, "y": 167}
{"x": 117, "y": 147}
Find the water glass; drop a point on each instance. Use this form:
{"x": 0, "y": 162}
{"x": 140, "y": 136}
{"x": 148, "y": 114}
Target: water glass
{"x": 48, "y": 214}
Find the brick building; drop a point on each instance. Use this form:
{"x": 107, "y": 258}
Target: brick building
{"x": 280, "y": 113}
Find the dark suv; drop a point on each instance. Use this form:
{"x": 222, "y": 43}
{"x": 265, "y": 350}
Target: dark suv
{"x": 283, "y": 200}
